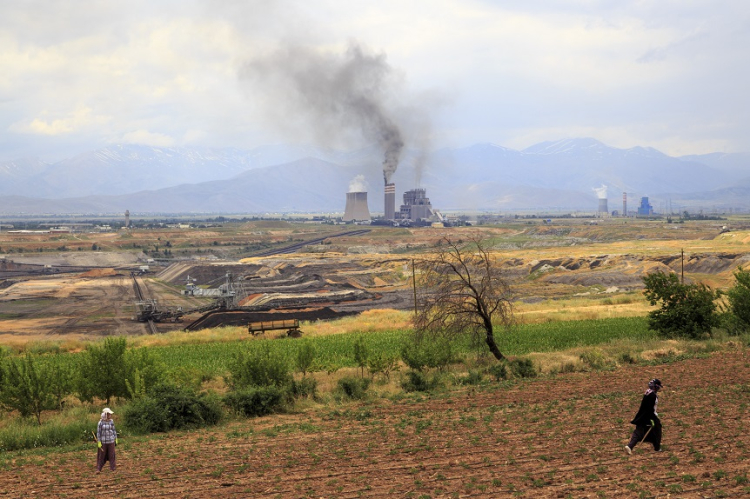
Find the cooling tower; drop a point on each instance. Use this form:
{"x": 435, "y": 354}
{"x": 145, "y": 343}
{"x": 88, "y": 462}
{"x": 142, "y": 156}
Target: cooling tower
{"x": 356, "y": 207}
{"x": 390, "y": 202}
{"x": 602, "y": 206}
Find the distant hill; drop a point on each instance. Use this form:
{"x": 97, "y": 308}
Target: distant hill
{"x": 557, "y": 176}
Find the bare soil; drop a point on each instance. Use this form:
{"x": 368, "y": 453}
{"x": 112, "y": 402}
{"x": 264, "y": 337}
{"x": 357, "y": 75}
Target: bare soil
{"x": 562, "y": 436}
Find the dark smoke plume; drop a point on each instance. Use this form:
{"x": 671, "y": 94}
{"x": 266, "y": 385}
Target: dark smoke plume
{"x": 332, "y": 96}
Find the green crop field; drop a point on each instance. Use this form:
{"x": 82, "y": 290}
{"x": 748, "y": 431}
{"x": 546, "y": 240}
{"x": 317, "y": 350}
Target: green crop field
{"x": 335, "y": 351}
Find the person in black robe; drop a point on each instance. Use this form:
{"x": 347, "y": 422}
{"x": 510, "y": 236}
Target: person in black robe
{"x": 646, "y": 421}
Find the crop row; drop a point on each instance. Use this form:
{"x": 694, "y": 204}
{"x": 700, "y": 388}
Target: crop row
{"x": 336, "y": 351}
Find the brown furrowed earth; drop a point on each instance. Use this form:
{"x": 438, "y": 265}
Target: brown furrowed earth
{"x": 560, "y": 436}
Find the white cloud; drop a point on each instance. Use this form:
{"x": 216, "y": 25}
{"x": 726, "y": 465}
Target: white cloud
{"x": 668, "y": 74}
{"x": 79, "y": 119}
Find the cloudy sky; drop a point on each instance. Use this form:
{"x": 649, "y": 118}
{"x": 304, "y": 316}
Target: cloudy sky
{"x": 670, "y": 74}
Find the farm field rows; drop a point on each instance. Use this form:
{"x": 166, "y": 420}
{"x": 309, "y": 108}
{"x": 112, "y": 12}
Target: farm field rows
{"x": 560, "y": 436}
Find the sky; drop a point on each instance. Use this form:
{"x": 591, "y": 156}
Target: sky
{"x": 79, "y": 75}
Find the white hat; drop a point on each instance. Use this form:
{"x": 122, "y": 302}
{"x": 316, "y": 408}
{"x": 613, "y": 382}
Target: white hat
{"x": 107, "y": 410}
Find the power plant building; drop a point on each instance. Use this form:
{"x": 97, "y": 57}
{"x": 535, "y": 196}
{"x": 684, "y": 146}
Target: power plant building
{"x": 416, "y": 206}
{"x": 356, "y": 207}
{"x": 645, "y": 209}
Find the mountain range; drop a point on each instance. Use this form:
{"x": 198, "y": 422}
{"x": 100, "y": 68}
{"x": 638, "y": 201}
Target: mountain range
{"x": 549, "y": 176}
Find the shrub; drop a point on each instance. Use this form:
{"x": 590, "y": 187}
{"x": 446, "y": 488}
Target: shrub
{"x": 498, "y": 371}
{"x": 433, "y": 354}
{"x": 261, "y": 367}
{"x": 522, "y": 368}
{"x": 628, "y": 358}
{"x": 354, "y": 388}
{"x": 416, "y": 381}
{"x": 306, "y": 387}
{"x": 361, "y": 353}
{"x": 256, "y": 401}
{"x": 170, "y": 407}
{"x": 472, "y": 378}
{"x": 595, "y": 359}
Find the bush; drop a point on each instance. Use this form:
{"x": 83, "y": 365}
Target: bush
{"x": 472, "y": 378}
{"x": 522, "y": 368}
{"x": 433, "y": 354}
{"x": 260, "y": 367}
{"x": 628, "y": 358}
{"x": 354, "y": 388}
{"x": 595, "y": 359}
{"x": 257, "y": 401}
{"x": 416, "y": 381}
{"x": 169, "y": 407}
{"x": 498, "y": 371}
{"x": 306, "y": 387}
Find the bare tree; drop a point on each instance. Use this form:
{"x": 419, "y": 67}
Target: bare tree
{"x": 462, "y": 291}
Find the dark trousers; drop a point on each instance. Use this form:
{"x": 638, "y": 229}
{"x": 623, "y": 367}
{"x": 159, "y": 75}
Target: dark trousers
{"x": 106, "y": 453}
{"x": 654, "y": 436}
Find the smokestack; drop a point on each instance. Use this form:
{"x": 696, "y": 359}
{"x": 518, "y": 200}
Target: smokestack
{"x": 624, "y": 204}
{"x": 356, "y": 207}
{"x": 390, "y": 201}
{"x": 127, "y": 218}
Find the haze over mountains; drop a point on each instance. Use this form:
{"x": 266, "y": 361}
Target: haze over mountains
{"x": 550, "y": 176}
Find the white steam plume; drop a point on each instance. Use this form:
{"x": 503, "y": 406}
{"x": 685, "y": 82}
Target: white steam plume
{"x": 358, "y": 184}
{"x": 601, "y": 192}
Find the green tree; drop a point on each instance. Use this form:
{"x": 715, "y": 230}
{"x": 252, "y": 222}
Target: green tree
{"x": 102, "y": 371}
{"x": 26, "y": 389}
{"x": 738, "y": 298}
{"x": 361, "y": 353}
{"x": 462, "y": 291}
{"x": 305, "y": 357}
{"x": 60, "y": 379}
{"x": 259, "y": 367}
{"x": 686, "y": 309}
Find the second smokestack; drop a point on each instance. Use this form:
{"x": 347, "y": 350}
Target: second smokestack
{"x": 390, "y": 202}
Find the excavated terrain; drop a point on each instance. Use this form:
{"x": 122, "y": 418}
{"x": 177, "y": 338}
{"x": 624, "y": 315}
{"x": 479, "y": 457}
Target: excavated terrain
{"x": 60, "y": 297}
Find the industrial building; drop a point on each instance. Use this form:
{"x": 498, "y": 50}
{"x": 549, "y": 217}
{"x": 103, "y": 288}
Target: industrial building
{"x": 645, "y": 209}
{"x": 416, "y": 206}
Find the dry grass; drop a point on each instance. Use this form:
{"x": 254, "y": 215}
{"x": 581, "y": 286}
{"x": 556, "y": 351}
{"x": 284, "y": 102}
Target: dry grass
{"x": 573, "y": 309}
{"x": 370, "y": 320}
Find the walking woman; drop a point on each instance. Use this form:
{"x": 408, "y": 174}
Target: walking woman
{"x": 646, "y": 421}
{"x": 106, "y": 441}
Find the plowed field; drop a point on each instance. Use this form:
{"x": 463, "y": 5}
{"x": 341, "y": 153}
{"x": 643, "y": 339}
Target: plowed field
{"x": 552, "y": 437}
